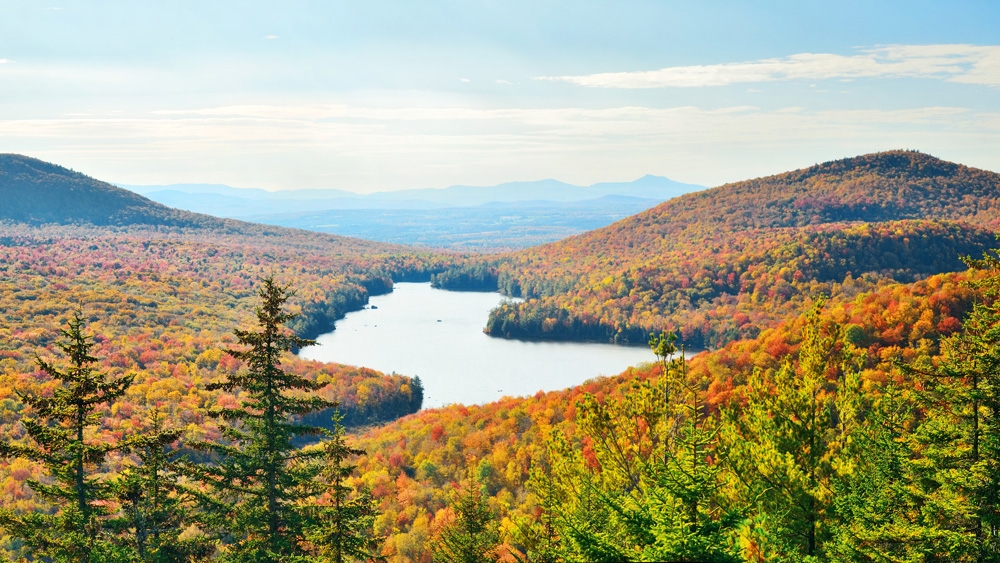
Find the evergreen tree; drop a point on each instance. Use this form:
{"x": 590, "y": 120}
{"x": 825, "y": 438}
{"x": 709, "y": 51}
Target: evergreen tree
{"x": 956, "y": 448}
{"x": 346, "y": 517}
{"x": 154, "y": 507}
{"x": 690, "y": 523}
{"x": 647, "y": 484}
{"x": 255, "y": 494}
{"x": 61, "y": 443}
{"x": 886, "y": 496}
{"x": 473, "y": 536}
{"x": 782, "y": 445}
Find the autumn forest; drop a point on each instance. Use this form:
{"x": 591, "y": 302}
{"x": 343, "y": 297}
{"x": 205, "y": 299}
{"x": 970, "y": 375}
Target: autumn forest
{"x": 843, "y": 403}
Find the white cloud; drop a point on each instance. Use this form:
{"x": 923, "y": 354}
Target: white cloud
{"x": 4, "y": 61}
{"x": 968, "y": 64}
{"x": 502, "y": 81}
{"x": 464, "y": 80}
{"x": 270, "y": 37}
{"x": 372, "y": 147}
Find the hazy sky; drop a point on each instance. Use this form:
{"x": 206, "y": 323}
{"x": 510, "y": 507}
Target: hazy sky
{"x": 369, "y": 95}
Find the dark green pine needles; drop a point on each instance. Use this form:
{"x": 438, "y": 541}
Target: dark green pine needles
{"x": 62, "y": 445}
{"x": 261, "y": 495}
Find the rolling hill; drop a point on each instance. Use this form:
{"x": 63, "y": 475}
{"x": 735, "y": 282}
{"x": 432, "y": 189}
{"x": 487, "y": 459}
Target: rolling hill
{"x": 722, "y": 263}
{"x": 163, "y": 289}
{"x": 37, "y": 192}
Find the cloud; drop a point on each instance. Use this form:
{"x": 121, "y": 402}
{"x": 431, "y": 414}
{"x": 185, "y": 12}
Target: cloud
{"x": 369, "y": 147}
{"x": 967, "y": 64}
{"x": 464, "y": 80}
{"x": 270, "y": 37}
{"x": 4, "y": 61}
{"x": 502, "y": 81}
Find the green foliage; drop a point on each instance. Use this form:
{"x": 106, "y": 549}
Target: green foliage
{"x": 474, "y": 276}
{"x": 646, "y": 484}
{"x": 254, "y": 496}
{"x": 473, "y": 535}
{"x": 346, "y": 516}
{"x": 155, "y": 510}
{"x": 61, "y": 441}
{"x": 784, "y": 444}
{"x": 955, "y": 470}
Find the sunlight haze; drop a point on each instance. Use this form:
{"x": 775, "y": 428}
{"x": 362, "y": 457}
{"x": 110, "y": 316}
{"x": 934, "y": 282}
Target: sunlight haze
{"x": 394, "y": 95}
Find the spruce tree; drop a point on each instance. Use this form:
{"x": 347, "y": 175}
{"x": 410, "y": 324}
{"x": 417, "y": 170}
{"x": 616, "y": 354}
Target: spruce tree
{"x": 691, "y": 521}
{"x": 782, "y": 445}
{"x": 254, "y": 496}
{"x": 343, "y": 522}
{"x": 956, "y": 448}
{"x": 155, "y": 508}
{"x": 648, "y": 485}
{"x": 61, "y": 442}
{"x": 473, "y": 536}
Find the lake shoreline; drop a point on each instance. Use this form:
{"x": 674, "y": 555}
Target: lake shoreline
{"x": 436, "y": 334}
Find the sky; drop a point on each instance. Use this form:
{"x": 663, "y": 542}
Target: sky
{"x": 370, "y": 96}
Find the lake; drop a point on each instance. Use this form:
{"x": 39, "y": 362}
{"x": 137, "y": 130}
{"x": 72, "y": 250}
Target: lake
{"x": 438, "y": 335}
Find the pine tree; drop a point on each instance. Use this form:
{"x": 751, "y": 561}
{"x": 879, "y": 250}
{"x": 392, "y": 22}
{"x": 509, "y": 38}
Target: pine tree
{"x": 155, "y": 508}
{"x": 956, "y": 448}
{"x": 647, "y": 486}
{"x": 344, "y": 522}
{"x": 473, "y": 536}
{"x": 61, "y": 444}
{"x": 690, "y": 523}
{"x": 782, "y": 444}
{"x": 254, "y": 495}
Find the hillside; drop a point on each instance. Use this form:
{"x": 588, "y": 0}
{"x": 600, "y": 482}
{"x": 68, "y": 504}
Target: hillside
{"x": 163, "y": 290}
{"x": 37, "y": 192}
{"x": 720, "y": 264}
{"x": 413, "y": 462}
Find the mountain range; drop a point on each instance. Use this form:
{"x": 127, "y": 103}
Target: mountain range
{"x": 227, "y": 201}
{"x": 481, "y": 218}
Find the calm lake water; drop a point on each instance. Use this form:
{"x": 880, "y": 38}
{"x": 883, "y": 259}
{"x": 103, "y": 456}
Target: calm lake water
{"x": 438, "y": 335}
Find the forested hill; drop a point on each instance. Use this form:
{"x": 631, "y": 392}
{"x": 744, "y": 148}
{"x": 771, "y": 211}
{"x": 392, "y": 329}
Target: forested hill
{"x": 884, "y": 186}
{"x": 722, "y": 263}
{"x": 887, "y": 186}
{"x": 37, "y": 192}
{"x": 34, "y": 193}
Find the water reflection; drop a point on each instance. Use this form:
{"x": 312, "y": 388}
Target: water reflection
{"x": 436, "y": 334}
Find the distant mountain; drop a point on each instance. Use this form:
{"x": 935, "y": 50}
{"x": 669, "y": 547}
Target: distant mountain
{"x": 231, "y": 202}
{"x": 489, "y": 227}
{"x": 724, "y": 262}
{"x": 37, "y": 192}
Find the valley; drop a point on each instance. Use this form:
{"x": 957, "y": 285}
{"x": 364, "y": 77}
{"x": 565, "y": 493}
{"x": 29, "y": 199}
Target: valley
{"x": 835, "y": 306}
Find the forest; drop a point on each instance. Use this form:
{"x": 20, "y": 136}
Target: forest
{"x": 720, "y": 264}
{"x": 153, "y": 408}
{"x": 862, "y": 430}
